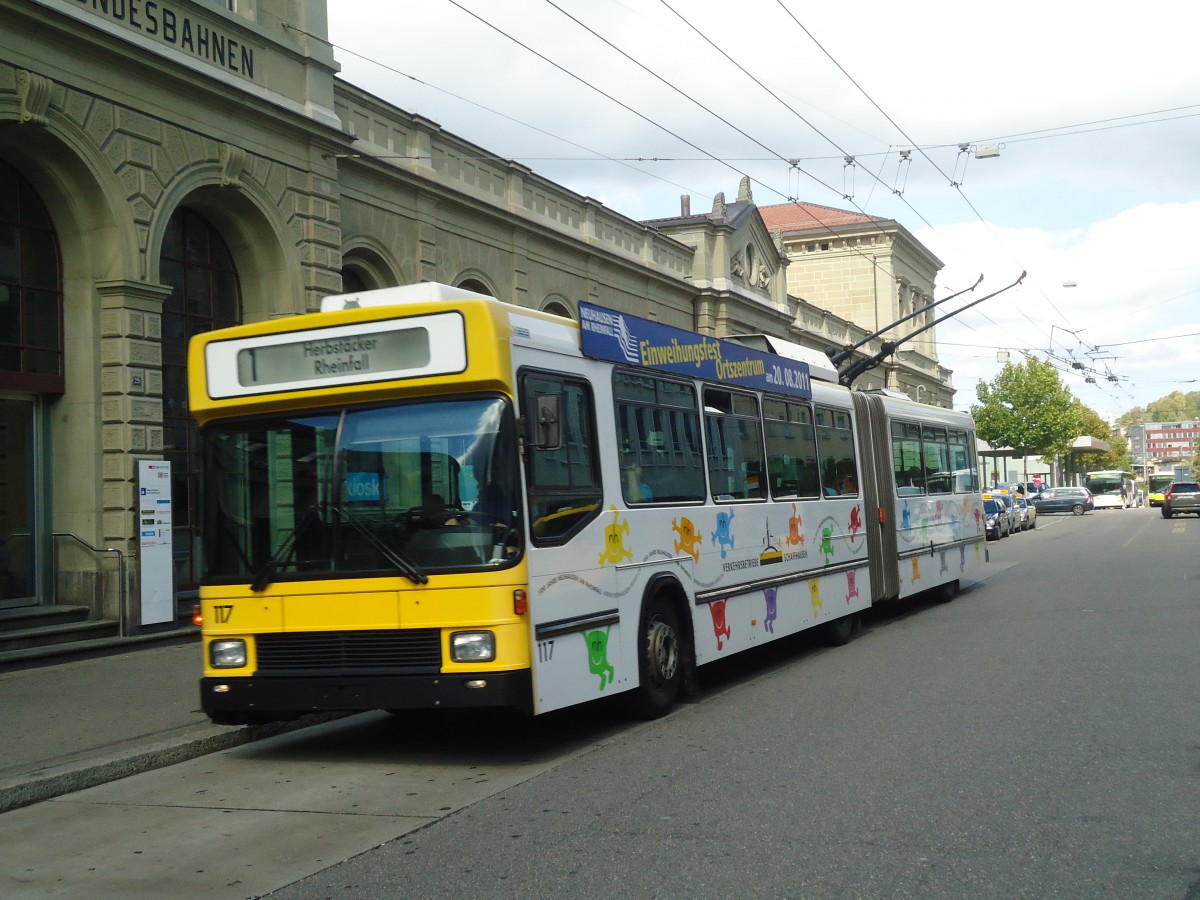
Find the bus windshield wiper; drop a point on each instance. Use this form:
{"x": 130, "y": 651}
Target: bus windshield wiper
{"x": 406, "y": 566}
{"x": 281, "y": 557}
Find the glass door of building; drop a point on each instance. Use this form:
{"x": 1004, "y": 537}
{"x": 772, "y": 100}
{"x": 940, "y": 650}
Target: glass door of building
{"x": 20, "y": 477}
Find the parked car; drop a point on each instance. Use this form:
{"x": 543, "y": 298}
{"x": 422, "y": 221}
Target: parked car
{"x": 1181, "y": 497}
{"x": 995, "y": 518}
{"x": 1028, "y": 513}
{"x": 1010, "y": 508}
{"x": 1075, "y": 500}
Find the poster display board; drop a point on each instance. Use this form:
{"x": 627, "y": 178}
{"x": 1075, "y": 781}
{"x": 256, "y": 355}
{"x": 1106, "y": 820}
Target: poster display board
{"x": 154, "y": 542}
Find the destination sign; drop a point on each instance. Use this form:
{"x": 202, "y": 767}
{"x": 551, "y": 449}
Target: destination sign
{"x": 343, "y": 355}
{"x": 621, "y": 337}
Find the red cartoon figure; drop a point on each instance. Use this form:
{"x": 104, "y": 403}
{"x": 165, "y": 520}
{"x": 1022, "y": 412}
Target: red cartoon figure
{"x": 855, "y": 521}
{"x": 720, "y": 626}
{"x": 851, "y": 585}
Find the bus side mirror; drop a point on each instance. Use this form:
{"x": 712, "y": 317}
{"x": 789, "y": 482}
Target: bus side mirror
{"x": 547, "y": 427}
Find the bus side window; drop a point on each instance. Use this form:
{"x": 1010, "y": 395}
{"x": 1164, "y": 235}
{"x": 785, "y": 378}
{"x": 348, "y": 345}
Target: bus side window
{"x": 658, "y": 430}
{"x": 835, "y": 444}
{"x": 564, "y": 480}
{"x": 907, "y": 460}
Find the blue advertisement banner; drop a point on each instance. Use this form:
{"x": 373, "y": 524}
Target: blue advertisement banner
{"x": 620, "y": 337}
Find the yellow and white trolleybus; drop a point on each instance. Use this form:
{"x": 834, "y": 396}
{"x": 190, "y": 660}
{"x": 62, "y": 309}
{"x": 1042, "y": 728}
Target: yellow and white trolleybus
{"x": 424, "y": 497}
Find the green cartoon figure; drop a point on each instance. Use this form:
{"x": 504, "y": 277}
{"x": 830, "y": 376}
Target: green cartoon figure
{"x": 598, "y": 664}
{"x": 827, "y": 544}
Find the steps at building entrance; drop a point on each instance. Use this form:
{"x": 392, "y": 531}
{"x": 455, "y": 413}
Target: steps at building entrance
{"x": 41, "y": 626}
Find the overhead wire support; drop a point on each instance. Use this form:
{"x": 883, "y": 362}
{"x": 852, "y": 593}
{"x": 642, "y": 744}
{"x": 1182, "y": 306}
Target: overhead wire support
{"x": 847, "y": 377}
{"x": 837, "y": 357}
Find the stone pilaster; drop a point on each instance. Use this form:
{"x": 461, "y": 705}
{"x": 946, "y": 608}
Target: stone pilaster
{"x": 131, "y": 389}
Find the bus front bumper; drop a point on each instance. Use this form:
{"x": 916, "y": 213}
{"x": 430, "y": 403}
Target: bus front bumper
{"x": 287, "y": 697}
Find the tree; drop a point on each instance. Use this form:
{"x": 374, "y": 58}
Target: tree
{"x": 1117, "y": 456}
{"x": 1176, "y": 406}
{"x": 1027, "y": 408}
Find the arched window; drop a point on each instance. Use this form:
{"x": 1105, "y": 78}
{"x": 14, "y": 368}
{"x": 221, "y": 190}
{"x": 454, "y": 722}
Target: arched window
{"x": 474, "y": 284}
{"x": 31, "y": 296}
{"x": 352, "y": 281}
{"x": 195, "y": 262}
{"x": 558, "y": 308}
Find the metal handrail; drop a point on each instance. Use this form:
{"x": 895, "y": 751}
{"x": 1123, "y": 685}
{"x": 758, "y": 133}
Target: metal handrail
{"x": 122, "y": 613}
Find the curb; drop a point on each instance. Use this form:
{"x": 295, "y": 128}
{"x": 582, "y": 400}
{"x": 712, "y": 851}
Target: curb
{"x": 22, "y": 791}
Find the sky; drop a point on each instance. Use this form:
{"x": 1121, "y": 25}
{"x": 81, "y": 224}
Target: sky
{"x": 1094, "y": 109}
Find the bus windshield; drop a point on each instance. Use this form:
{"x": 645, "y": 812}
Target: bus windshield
{"x": 1159, "y": 483}
{"x": 402, "y": 489}
{"x": 1105, "y": 484}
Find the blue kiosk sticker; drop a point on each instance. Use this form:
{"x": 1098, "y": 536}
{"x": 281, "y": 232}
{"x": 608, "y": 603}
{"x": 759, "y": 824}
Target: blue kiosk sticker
{"x": 620, "y": 337}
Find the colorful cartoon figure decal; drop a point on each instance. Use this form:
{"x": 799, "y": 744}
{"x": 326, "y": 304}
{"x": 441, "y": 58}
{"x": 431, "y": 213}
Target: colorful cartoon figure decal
{"x": 942, "y": 567}
{"x": 598, "y": 664}
{"x": 724, "y": 533}
{"x": 855, "y": 521}
{"x": 794, "y": 537}
{"x": 962, "y": 558}
{"x": 827, "y": 543}
{"x": 916, "y": 569}
{"x": 689, "y": 541}
{"x": 978, "y": 518}
{"x": 614, "y": 540}
{"x": 851, "y": 585}
{"x": 772, "y": 608}
{"x": 905, "y": 517}
{"x": 814, "y": 593}
{"x": 771, "y": 553}
{"x": 720, "y": 626}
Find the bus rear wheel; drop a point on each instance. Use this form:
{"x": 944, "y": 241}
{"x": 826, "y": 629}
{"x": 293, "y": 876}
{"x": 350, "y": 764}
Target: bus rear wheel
{"x": 660, "y": 660}
{"x": 838, "y": 632}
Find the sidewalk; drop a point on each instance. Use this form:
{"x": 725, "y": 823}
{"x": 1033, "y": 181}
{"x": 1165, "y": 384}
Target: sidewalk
{"x": 75, "y": 723}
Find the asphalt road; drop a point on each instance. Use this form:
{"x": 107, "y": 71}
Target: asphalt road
{"x": 1037, "y": 737}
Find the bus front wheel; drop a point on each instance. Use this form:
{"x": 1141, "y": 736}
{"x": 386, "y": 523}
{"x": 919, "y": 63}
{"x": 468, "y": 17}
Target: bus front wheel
{"x": 660, "y": 659}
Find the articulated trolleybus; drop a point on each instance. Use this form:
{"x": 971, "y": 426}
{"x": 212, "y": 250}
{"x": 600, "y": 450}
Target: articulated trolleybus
{"x": 423, "y": 497}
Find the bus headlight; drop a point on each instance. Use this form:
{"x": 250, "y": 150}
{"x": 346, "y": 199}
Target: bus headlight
{"x": 473, "y": 646}
{"x": 227, "y": 654}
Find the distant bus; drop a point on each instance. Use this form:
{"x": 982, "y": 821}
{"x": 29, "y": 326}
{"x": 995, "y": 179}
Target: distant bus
{"x": 1157, "y": 486}
{"x": 1111, "y": 489}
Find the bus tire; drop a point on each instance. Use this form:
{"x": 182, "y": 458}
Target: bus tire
{"x": 660, "y": 659}
{"x": 838, "y": 632}
{"x": 944, "y": 593}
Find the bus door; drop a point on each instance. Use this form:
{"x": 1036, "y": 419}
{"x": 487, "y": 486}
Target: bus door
{"x": 572, "y": 541}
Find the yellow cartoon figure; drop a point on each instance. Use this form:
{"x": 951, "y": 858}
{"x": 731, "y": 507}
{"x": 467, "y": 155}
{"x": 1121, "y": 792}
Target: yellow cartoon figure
{"x": 814, "y": 591}
{"x": 689, "y": 541}
{"x": 916, "y": 570}
{"x": 614, "y": 540}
